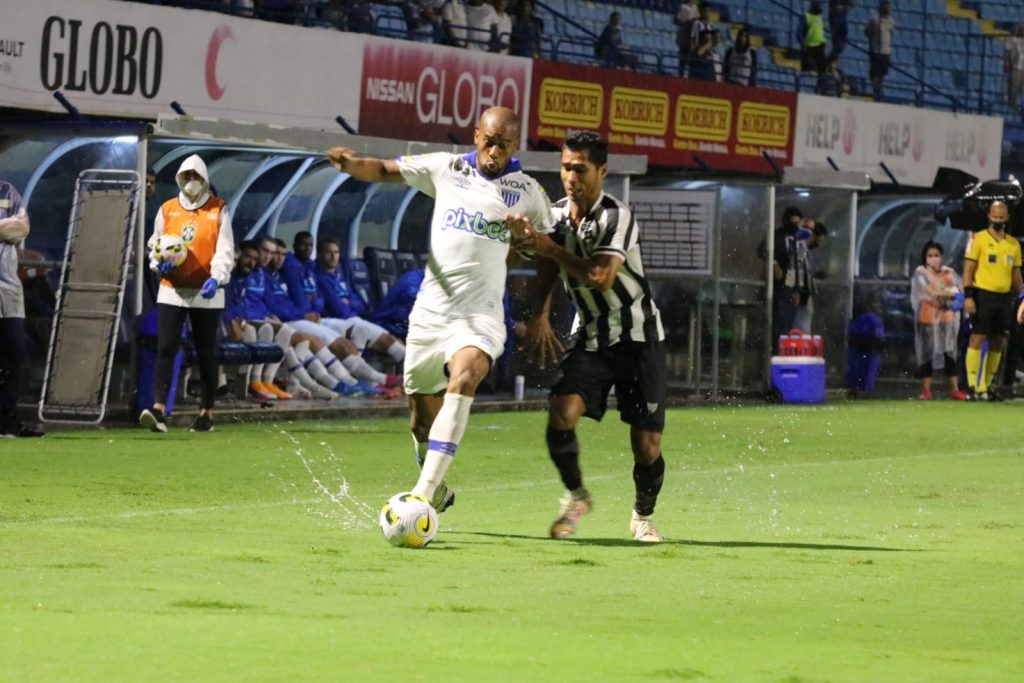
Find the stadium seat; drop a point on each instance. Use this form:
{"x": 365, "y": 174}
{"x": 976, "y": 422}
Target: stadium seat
{"x": 406, "y": 261}
{"x": 383, "y": 270}
{"x": 359, "y": 278}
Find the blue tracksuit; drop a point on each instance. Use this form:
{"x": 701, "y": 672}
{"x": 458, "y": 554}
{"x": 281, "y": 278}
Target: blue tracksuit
{"x": 340, "y": 300}
{"x": 393, "y": 312}
{"x": 279, "y": 301}
{"x": 247, "y": 296}
{"x": 300, "y": 276}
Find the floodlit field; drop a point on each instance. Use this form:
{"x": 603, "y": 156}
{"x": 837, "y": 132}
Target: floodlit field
{"x": 875, "y": 541}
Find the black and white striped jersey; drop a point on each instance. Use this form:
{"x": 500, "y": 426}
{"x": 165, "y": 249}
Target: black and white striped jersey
{"x": 627, "y": 310}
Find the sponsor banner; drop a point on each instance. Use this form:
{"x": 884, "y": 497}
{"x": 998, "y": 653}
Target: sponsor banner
{"x": 912, "y": 143}
{"x": 671, "y": 120}
{"x": 431, "y": 93}
{"x": 130, "y": 59}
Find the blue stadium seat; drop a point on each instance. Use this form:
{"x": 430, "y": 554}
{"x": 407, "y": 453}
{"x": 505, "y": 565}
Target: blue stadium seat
{"x": 359, "y": 278}
{"x": 383, "y": 270}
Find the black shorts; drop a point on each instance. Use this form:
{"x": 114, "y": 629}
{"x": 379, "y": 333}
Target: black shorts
{"x": 994, "y": 317}
{"x": 879, "y": 65}
{"x": 638, "y": 372}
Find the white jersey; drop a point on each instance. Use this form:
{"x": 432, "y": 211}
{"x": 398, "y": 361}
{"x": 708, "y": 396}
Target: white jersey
{"x": 469, "y": 242}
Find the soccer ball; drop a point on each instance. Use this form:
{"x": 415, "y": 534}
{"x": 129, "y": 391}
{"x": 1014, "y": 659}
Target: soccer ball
{"x": 171, "y": 249}
{"x": 408, "y": 521}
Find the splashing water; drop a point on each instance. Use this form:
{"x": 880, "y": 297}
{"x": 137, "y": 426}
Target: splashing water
{"x": 342, "y": 506}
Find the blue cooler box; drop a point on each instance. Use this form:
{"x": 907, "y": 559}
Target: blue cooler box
{"x": 800, "y": 379}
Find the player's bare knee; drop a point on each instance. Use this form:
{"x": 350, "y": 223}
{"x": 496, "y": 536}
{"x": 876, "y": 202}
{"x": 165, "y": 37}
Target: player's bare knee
{"x": 343, "y": 348}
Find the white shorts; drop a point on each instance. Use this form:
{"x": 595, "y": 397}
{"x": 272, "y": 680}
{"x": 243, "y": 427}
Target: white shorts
{"x": 361, "y": 332}
{"x": 321, "y": 332}
{"x": 430, "y": 345}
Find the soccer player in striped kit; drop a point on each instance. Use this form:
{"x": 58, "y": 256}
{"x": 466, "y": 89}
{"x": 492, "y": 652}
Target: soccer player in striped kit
{"x": 618, "y": 335}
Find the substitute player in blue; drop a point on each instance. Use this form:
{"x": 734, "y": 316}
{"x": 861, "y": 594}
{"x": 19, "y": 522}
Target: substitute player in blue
{"x": 457, "y": 328}
{"x": 618, "y": 333}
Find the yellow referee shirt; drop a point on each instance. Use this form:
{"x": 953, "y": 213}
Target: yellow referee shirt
{"x": 996, "y": 260}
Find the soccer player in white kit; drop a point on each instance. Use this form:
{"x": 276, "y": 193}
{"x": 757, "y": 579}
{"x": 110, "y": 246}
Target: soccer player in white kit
{"x": 457, "y": 328}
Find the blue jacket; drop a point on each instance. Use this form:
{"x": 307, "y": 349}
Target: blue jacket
{"x": 246, "y": 296}
{"x": 279, "y": 301}
{"x": 340, "y": 300}
{"x": 393, "y": 312}
{"x": 300, "y": 276}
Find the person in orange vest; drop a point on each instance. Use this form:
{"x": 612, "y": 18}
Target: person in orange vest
{"x": 936, "y": 295}
{"x": 194, "y": 288}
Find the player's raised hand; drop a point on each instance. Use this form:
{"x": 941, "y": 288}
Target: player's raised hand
{"x": 519, "y": 229}
{"x": 542, "y": 342}
{"x": 340, "y": 157}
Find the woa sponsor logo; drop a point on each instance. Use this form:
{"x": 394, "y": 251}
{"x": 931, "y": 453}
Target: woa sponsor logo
{"x": 476, "y": 224}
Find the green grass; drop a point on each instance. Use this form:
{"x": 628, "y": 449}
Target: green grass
{"x": 875, "y": 541}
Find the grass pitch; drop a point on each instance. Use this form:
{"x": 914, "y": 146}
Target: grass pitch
{"x": 876, "y": 541}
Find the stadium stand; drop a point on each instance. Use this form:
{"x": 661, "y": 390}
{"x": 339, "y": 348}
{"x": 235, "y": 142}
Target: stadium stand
{"x": 947, "y": 54}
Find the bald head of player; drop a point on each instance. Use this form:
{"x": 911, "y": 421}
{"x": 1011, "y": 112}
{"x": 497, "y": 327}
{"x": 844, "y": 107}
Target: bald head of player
{"x": 496, "y": 139}
{"x": 998, "y": 215}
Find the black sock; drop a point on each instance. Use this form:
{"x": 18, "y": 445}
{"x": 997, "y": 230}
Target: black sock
{"x": 565, "y": 452}
{"x": 648, "y": 480}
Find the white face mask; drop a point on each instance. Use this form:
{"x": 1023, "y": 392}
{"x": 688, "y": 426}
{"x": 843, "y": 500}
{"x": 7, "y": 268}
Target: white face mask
{"x": 192, "y": 188}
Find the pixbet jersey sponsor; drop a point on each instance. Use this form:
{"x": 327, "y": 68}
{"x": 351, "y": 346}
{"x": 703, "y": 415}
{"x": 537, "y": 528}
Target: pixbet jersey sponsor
{"x": 476, "y": 224}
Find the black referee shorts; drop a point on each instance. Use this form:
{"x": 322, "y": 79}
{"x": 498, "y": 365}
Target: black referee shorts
{"x": 638, "y": 372}
{"x": 994, "y": 317}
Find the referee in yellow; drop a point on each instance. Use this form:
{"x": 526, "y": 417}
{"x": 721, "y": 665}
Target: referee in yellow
{"x": 991, "y": 281}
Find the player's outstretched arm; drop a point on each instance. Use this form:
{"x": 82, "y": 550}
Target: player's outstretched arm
{"x": 368, "y": 170}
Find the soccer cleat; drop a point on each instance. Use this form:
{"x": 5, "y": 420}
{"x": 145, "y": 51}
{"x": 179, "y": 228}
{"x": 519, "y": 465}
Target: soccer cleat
{"x": 925, "y": 395}
{"x": 298, "y": 391}
{"x": 972, "y": 394}
{"x": 352, "y": 390}
{"x": 153, "y": 420}
{"x": 572, "y": 507}
{"x": 443, "y": 499}
{"x": 643, "y": 529}
{"x": 273, "y": 390}
{"x": 202, "y": 423}
{"x": 982, "y": 396}
{"x": 957, "y": 396}
{"x": 385, "y": 392}
{"x": 322, "y": 392}
{"x": 393, "y": 381}
{"x": 257, "y": 392}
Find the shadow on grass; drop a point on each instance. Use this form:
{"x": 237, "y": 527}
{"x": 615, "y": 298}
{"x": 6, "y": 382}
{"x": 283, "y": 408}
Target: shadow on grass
{"x": 613, "y": 542}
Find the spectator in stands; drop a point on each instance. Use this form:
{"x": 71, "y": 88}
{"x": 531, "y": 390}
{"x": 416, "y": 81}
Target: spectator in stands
{"x": 344, "y": 309}
{"x": 831, "y": 81}
{"x": 812, "y": 39}
{"x": 421, "y": 21}
{"x": 527, "y": 31}
{"x": 1013, "y": 62}
{"x": 697, "y": 27}
{"x": 706, "y": 61}
{"x": 192, "y": 289}
{"x": 481, "y": 25}
{"x": 453, "y": 23}
{"x": 358, "y": 18}
{"x": 879, "y": 31}
{"x": 838, "y": 11}
{"x": 609, "y": 48}
{"x": 249, "y": 319}
{"x": 741, "y": 60}
{"x": 502, "y": 28}
{"x": 359, "y": 377}
{"x": 14, "y": 228}
{"x": 687, "y": 13}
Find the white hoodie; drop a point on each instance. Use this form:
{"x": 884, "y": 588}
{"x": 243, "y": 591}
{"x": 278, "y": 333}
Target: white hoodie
{"x": 223, "y": 258}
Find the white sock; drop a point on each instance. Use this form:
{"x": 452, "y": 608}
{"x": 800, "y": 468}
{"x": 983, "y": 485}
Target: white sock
{"x": 362, "y": 370}
{"x": 314, "y": 367}
{"x": 269, "y": 370}
{"x": 252, "y": 372}
{"x": 397, "y": 351}
{"x": 445, "y": 435}
{"x": 334, "y": 366}
{"x": 294, "y": 367}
